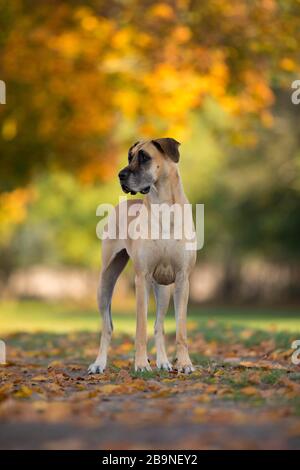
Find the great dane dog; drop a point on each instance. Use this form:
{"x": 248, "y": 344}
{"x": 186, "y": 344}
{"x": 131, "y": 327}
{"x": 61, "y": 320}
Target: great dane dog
{"x": 161, "y": 261}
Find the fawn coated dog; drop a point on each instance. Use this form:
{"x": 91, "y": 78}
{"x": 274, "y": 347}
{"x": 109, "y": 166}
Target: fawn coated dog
{"x": 152, "y": 170}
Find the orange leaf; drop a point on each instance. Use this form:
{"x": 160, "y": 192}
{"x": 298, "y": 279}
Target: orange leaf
{"x": 250, "y": 391}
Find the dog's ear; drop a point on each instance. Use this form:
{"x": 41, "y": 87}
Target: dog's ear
{"x": 169, "y": 147}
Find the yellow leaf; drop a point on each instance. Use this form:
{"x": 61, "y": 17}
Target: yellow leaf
{"x": 212, "y": 388}
{"x": 219, "y": 373}
{"x": 165, "y": 392}
{"x": 247, "y": 364}
{"x": 110, "y": 388}
{"x": 54, "y": 388}
{"x": 4, "y": 390}
{"x": 250, "y": 391}
{"x": 39, "y": 378}
{"x": 55, "y": 364}
{"x": 23, "y": 392}
{"x": 204, "y": 398}
{"x": 139, "y": 384}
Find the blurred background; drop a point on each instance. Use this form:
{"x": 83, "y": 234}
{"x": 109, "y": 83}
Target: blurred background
{"x": 84, "y": 80}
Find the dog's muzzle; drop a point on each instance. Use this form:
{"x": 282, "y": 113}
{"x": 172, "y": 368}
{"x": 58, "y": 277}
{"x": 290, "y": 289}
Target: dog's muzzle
{"x": 123, "y": 176}
{"x": 145, "y": 190}
{"x": 127, "y": 190}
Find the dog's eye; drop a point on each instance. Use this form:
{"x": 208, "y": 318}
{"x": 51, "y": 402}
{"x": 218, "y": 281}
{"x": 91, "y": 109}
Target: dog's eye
{"x": 143, "y": 156}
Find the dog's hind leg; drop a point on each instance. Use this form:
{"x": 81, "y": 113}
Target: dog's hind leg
{"x": 181, "y": 295}
{"x": 113, "y": 264}
{"x": 162, "y": 298}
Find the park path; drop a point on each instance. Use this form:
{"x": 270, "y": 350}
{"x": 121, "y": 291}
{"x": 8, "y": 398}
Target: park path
{"x": 244, "y": 394}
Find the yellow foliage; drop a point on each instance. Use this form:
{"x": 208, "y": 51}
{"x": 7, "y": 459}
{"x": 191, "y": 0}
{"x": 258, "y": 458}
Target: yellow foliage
{"x": 182, "y": 34}
{"x": 9, "y": 129}
{"x": 13, "y": 209}
{"x": 94, "y": 73}
{"x": 288, "y": 64}
{"x": 67, "y": 44}
{"x": 163, "y": 11}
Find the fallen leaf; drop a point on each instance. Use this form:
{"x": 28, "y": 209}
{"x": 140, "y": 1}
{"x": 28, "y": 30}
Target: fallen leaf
{"x": 39, "y": 378}
{"x": 23, "y": 392}
{"x": 250, "y": 391}
{"x": 110, "y": 388}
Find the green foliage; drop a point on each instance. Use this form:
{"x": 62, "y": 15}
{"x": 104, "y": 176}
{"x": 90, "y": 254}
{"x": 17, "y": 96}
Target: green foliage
{"x": 61, "y": 224}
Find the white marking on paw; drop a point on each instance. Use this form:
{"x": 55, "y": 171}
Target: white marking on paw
{"x": 185, "y": 368}
{"x": 96, "y": 368}
{"x": 164, "y": 365}
{"x": 142, "y": 367}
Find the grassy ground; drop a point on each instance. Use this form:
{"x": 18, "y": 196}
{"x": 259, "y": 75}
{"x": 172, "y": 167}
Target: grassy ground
{"x": 62, "y": 318}
{"x": 244, "y": 393}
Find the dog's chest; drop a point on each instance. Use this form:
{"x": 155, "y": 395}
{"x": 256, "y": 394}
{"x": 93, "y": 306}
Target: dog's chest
{"x": 165, "y": 259}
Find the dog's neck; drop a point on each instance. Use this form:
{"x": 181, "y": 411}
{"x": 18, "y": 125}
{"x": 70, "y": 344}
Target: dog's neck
{"x": 168, "y": 189}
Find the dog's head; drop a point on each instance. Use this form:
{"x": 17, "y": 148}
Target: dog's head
{"x": 147, "y": 162}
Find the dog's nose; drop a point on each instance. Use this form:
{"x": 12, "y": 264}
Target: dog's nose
{"x": 123, "y": 174}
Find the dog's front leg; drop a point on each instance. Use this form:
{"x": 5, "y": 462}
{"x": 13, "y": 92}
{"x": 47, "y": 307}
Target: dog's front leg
{"x": 142, "y": 294}
{"x": 162, "y": 297}
{"x": 181, "y": 295}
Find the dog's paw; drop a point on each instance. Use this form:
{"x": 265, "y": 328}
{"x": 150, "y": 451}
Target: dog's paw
{"x": 164, "y": 365}
{"x": 141, "y": 366}
{"x": 185, "y": 368}
{"x": 96, "y": 368}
